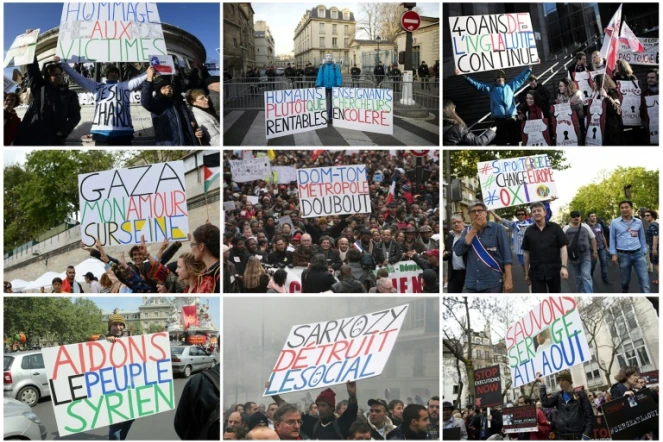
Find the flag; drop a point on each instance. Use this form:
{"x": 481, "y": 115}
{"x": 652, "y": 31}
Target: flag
{"x": 628, "y": 38}
{"x": 316, "y": 154}
{"x": 271, "y": 155}
{"x": 211, "y": 169}
{"x": 392, "y": 189}
{"x": 189, "y": 315}
{"x": 611, "y": 41}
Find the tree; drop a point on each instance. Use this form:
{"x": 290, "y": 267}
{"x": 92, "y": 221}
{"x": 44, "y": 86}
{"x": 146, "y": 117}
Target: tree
{"x": 390, "y": 20}
{"x": 155, "y": 328}
{"x": 604, "y": 194}
{"x": 138, "y": 329}
{"x": 458, "y": 311}
{"x": 371, "y": 21}
{"x": 17, "y": 230}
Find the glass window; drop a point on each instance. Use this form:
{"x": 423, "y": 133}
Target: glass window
{"x": 642, "y": 352}
{"x": 333, "y": 29}
{"x": 456, "y": 389}
{"x": 630, "y": 319}
{"x": 334, "y": 42}
{"x": 321, "y": 12}
{"x": 322, "y": 42}
{"x": 346, "y": 15}
{"x": 622, "y": 362}
{"x": 346, "y": 42}
{"x": 549, "y": 8}
{"x": 334, "y": 14}
{"x": 346, "y": 30}
{"x": 322, "y": 28}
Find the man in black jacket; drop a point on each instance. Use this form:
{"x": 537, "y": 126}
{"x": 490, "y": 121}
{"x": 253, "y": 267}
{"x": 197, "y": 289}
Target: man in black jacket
{"x": 423, "y": 73}
{"x": 289, "y": 73}
{"x": 391, "y": 250}
{"x": 198, "y": 411}
{"x": 309, "y": 73}
{"x": 456, "y": 265}
{"x": 355, "y": 72}
{"x": 575, "y": 417}
{"x": 395, "y": 75}
{"x": 347, "y": 283}
{"x": 379, "y": 73}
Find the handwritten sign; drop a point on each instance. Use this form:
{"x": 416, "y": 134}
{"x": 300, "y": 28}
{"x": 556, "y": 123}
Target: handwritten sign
{"x": 333, "y": 352}
{"x": 229, "y": 205}
{"x": 535, "y": 132}
{"x": 629, "y": 96}
{"x": 519, "y": 419}
{"x": 548, "y": 339}
{"x": 283, "y": 174}
{"x": 405, "y": 276}
{"x": 99, "y": 32}
{"x": 253, "y": 169}
{"x": 647, "y": 58}
{"x": 514, "y": 181}
{"x": 488, "y": 387}
{"x": 367, "y": 110}
{"x": 595, "y": 122}
{"x": 294, "y": 111}
{"x": 564, "y": 123}
{"x": 651, "y": 101}
{"x": 118, "y": 206}
{"x": 22, "y": 50}
{"x": 488, "y": 42}
{"x": 337, "y": 190}
{"x": 97, "y": 384}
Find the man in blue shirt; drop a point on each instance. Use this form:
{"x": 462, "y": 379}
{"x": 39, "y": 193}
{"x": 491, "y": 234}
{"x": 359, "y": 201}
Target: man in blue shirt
{"x": 488, "y": 251}
{"x": 628, "y": 247}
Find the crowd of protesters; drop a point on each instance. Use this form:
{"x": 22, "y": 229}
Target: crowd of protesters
{"x": 343, "y": 254}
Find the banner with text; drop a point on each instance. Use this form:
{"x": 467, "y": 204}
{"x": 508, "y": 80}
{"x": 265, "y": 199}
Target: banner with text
{"x": 97, "y": 384}
{"x": 118, "y": 206}
{"x": 489, "y": 42}
{"x": 327, "y": 353}
{"x": 488, "y": 387}
{"x": 336, "y": 190}
{"x": 650, "y": 377}
{"x": 632, "y": 417}
{"x": 102, "y": 32}
{"x": 253, "y": 169}
{"x": 405, "y": 276}
{"x": 548, "y": 339}
{"x": 647, "y": 58}
{"x": 514, "y": 181}
{"x": 630, "y": 96}
{"x": 519, "y": 419}
{"x": 294, "y": 111}
{"x": 363, "y": 109}
{"x": 22, "y": 50}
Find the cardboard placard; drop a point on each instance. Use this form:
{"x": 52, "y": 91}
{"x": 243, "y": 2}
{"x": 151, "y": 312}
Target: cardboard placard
{"x": 519, "y": 419}
{"x": 294, "y": 111}
{"x": 488, "y": 386}
{"x": 251, "y": 169}
{"x": 364, "y": 109}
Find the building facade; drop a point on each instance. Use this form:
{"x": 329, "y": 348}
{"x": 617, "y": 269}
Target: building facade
{"x": 324, "y": 30}
{"x": 425, "y": 43}
{"x": 366, "y": 54}
{"x": 282, "y": 60}
{"x": 264, "y": 43}
{"x": 238, "y": 38}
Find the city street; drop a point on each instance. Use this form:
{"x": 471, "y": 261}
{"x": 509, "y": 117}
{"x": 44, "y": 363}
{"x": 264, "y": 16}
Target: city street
{"x": 157, "y": 427}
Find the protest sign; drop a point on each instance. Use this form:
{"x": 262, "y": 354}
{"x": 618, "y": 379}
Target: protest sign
{"x": 488, "y": 387}
{"x": 647, "y": 58}
{"x": 629, "y": 96}
{"x": 548, "y": 339}
{"x": 252, "y": 169}
{"x": 10, "y": 85}
{"x": 336, "y": 190}
{"x": 252, "y": 199}
{"x": 564, "y": 124}
{"x": 601, "y": 430}
{"x": 630, "y": 418}
{"x": 535, "y": 132}
{"x": 489, "y": 42}
{"x": 514, "y": 181}
{"x": 163, "y": 64}
{"x": 294, "y": 111}
{"x": 118, "y": 206}
{"x": 286, "y": 220}
{"x": 327, "y": 353}
{"x": 651, "y": 101}
{"x": 405, "y": 276}
{"x": 22, "y": 50}
{"x": 363, "y": 109}
{"x": 96, "y": 384}
{"x": 519, "y": 419}
{"x": 229, "y": 205}
{"x": 101, "y": 32}
{"x": 595, "y": 122}
{"x": 284, "y": 174}
{"x": 584, "y": 82}
{"x": 650, "y": 377}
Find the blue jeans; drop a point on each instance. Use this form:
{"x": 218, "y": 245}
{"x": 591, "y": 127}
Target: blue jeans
{"x": 496, "y": 289}
{"x": 119, "y": 431}
{"x": 583, "y": 275}
{"x": 639, "y": 263}
{"x": 603, "y": 257}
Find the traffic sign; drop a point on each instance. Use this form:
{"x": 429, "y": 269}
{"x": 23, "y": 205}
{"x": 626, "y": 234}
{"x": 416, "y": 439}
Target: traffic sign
{"x": 410, "y": 21}
{"x": 419, "y": 153}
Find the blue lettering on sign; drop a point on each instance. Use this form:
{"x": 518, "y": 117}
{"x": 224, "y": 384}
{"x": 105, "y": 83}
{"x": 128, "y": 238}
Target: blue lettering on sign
{"x": 331, "y": 174}
{"x": 456, "y": 51}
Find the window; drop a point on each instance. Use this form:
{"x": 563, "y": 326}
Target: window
{"x": 418, "y": 371}
{"x": 234, "y": 43}
{"x": 630, "y": 355}
{"x": 322, "y": 28}
{"x": 456, "y": 388}
{"x": 487, "y": 355}
{"x": 322, "y": 42}
{"x": 642, "y": 352}
{"x": 346, "y": 42}
{"x": 32, "y": 362}
{"x": 346, "y": 30}
{"x": 321, "y": 12}
{"x": 334, "y": 15}
{"x": 334, "y": 42}
{"x": 346, "y": 15}
{"x": 333, "y": 29}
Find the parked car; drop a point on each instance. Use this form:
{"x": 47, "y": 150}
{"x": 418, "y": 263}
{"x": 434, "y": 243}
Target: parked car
{"x": 25, "y": 377}
{"x": 189, "y": 358}
{"x": 19, "y": 422}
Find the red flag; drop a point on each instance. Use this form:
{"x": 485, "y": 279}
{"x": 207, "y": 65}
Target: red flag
{"x": 316, "y": 154}
{"x": 189, "y": 315}
{"x": 610, "y": 46}
{"x": 628, "y": 38}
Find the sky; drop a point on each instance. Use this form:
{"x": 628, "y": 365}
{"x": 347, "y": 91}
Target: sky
{"x": 199, "y": 19}
{"x": 585, "y": 167}
{"x": 107, "y": 304}
{"x": 283, "y": 18}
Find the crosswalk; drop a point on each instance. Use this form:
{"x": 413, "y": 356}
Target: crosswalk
{"x": 247, "y": 128}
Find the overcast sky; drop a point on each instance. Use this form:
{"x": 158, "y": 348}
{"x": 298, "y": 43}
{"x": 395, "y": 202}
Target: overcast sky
{"x": 283, "y": 18}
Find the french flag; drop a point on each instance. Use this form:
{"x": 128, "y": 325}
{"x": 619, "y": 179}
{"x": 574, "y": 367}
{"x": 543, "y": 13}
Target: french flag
{"x": 392, "y": 189}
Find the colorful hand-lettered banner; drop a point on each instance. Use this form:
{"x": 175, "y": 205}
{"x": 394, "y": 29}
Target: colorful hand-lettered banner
{"x": 548, "y": 339}
{"x": 100, "y": 32}
{"x": 336, "y": 190}
{"x": 509, "y": 182}
{"x": 118, "y": 206}
{"x": 294, "y": 111}
{"x": 96, "y": 384}
{"x": 364, "y": 109}
{"x": 333, "y": 352}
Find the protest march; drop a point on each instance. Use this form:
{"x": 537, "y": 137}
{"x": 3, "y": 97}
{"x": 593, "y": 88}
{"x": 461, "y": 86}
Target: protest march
{"x": 507, "y": 82}
{"x": 331, "y": 221}
{"x": 118, "y": 75}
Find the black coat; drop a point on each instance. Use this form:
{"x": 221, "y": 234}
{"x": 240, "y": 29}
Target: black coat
{"x": 457, "y": 135}
{"x": 317, "y": 281}
{"x": 171, "y": 118}
{"x": 573, "y": 417}
{"x": 395, "y": 252}
{"x": 348, "y": 285}
{"x": 542, "y": 99}
{"x": 52, "y": 110}
{"x": 448, "y": 246}
{"x": 378, "y": 71}
{"x": 198, "y": 400}
{"x": 355, "y": 72}
{"x": 423, "y": 70}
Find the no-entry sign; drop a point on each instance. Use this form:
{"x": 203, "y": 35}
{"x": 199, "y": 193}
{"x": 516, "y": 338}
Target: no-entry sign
{"x": 410, "y": 21}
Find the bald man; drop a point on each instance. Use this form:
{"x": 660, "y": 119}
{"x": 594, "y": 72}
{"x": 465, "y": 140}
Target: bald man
{"x": 262, "y": 433}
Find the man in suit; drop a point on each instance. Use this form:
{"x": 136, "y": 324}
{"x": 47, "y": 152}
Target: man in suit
{"x": 457, "y": 264}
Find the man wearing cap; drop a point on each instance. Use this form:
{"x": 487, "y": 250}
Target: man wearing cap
{"x": 425, "y": 233}
{"x": 581, "y": 250}
{"x": 116, "y": 326}
{"x": 393, "y": 211}
{"x": 378, "y": 420}
{"x": 431, "y": 262}
{"x": 367, "y": 246}
{"x": 410, "y": 238}
{"x": 575, "y": 417}
{"x": 431, "y": 282}
{"x": 257, "y": 419}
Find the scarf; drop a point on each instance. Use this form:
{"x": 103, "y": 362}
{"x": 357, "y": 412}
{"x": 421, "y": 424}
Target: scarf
{"x": 277, "y": 288}
{"x": 534, "y": 112}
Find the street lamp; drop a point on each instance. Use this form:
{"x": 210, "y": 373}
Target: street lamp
{"x": 378, "y": 39}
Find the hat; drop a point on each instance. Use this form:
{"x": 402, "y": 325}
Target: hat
{"x": 378, "y": 402}
{"x": 411, "y": 229}
{"x": 116, "y": 319}
{"x": 364, "y": 231}
{"x": 283, "y": 187}
{"x": 564, "y": 375}
{"x": 574, "y": 213}
{"x": 425, "y": 229}
{"x": 434, "y": 252}
{"x": 500, "y": 74}
{"x": 256, "y": 419}
{"x": 406, "y": 188}
{"x": 297, "y": 236}
{"x": 327, "y": 396}
{"x": 89, "y": 275}
{"x": 447, "y": 405}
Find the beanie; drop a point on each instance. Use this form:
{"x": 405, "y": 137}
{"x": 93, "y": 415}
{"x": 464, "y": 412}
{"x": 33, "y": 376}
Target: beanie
{"x": 114, "y": 319}
{"x": 327, "y": 396}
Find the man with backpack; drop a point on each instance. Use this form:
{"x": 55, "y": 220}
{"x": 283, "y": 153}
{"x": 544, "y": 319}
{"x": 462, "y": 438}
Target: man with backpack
{"x": 329, "y": 76}
{"x": 198, "y": 413}
{"x": 575, "y": 418}
{"x": 580, "y": 236}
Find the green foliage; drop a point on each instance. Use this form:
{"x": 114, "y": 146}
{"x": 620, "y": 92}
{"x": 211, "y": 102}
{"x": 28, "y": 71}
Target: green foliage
{"x": 137, "y": 157}
{"x": 155, "y": 328}
{"x": 464, "y": 162}
{"x": 605, "y": 193}
{"x": 138, "y": 328}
